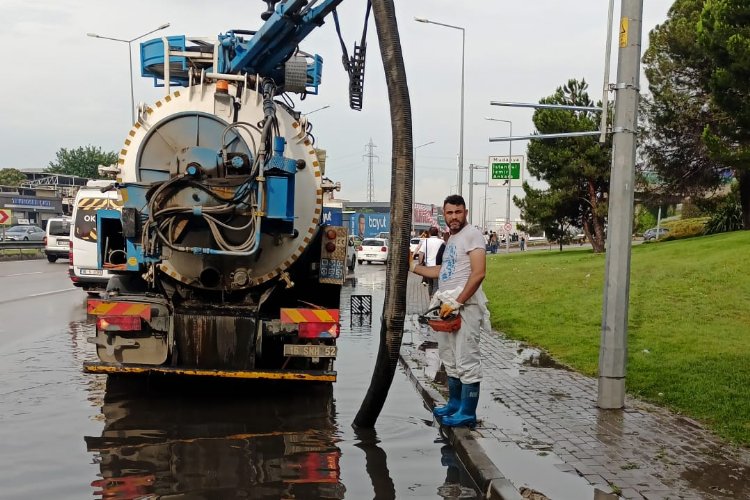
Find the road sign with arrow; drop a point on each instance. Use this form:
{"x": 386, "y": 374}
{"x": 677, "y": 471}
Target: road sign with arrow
{"x": 6, "y": 217}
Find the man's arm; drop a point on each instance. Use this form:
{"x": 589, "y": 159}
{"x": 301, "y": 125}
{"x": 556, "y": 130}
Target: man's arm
{"x": 427, "y": 271}
{"x": 477, "y": 259}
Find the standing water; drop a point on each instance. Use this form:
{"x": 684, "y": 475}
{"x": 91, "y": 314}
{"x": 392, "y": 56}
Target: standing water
{"x": 66, "y": 434}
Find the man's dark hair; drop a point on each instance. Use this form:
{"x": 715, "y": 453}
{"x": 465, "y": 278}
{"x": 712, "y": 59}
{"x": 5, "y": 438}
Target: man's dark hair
{"x": 434, "y": 231}
{"x": 455, "y": 199}
{"x": 361, "y": 217}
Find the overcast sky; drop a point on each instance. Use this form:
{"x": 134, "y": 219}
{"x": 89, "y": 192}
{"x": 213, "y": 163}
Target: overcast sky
{"x": 61, "y": 88}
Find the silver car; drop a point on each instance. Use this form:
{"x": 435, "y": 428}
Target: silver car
{"x": 651, "y": 234}
{"x": 24, "y": 233}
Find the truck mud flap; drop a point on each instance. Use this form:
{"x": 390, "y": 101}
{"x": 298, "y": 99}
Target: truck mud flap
{"x": 302, "y": 376}
{"x": 214, "y": 341}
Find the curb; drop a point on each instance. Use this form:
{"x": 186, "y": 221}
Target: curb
{"x": 482, "y": 470}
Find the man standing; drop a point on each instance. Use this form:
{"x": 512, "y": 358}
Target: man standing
{"x": 460, "y": 289}
{"x": 428, "y": 255}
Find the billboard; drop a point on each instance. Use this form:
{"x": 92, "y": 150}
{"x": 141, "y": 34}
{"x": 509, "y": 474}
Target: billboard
{"x": 365, "y": 225}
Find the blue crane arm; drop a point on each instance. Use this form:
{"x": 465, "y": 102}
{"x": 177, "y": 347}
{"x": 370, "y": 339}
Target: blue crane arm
{"x": 279, "y": 37}
{"x": 263, "y": 53}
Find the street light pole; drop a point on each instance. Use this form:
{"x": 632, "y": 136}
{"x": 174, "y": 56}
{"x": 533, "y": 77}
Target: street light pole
{"x": 130, "y": 59}
{"x": 510, "y": 161}
{"x": 461, "y": 129}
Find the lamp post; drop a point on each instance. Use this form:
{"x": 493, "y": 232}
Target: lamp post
{"x": 510, "y": 160}
{"x": 130, "y": 55}
{"x": 461, "y": 131}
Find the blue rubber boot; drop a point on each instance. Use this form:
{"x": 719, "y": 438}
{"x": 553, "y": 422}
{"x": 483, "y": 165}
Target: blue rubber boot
{"x": 466, "y": 416}
{"x": 454, "y": 399}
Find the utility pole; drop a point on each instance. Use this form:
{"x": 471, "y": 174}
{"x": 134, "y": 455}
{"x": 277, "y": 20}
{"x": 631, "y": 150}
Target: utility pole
{"x": 370, "y": 178}
{"x": 613, "y": 351}
{"x": 473, "y": 167}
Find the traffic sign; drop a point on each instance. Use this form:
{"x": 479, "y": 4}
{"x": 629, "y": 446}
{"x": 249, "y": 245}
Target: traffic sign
{"x": 508, "y": 226}
{"x": 505, "y": 170}
{"x": 6, "y": 216}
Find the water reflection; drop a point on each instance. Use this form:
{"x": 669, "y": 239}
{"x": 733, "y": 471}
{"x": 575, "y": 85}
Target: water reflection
{"x": 278, "y": 443}
{"x": 376, "y": 464}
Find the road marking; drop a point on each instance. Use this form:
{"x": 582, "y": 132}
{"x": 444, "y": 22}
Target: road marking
{"x": 42, "y": 294}
{"x": 36, "y": 295}
{"x": 20, "y": 274}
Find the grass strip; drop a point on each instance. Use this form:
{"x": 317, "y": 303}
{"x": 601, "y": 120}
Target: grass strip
{"x": 689, "y": 320}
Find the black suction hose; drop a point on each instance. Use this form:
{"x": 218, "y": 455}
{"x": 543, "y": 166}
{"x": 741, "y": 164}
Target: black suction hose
{"x": 402, "y": 169}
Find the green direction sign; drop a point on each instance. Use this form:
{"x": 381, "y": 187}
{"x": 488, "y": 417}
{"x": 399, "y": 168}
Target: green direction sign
{"x": 500, "y": 171}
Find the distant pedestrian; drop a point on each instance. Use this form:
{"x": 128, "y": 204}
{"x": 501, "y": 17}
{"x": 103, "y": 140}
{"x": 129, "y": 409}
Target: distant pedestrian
{"x": 522, "y": 244}
{"x": 428, "y": 256}
{"x": 494, "y": 243}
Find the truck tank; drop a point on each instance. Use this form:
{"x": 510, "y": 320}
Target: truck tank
{"x": 222, "y": 264}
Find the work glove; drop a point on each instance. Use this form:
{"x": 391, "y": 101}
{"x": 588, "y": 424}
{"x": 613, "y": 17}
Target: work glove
{"x": 449, "y": 307}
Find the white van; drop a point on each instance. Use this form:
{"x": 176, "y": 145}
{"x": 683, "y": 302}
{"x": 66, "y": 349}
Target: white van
{"x": 57, "y": 239}
{"x": 84, "y": 269}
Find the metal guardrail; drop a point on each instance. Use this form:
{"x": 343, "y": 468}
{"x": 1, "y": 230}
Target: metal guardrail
{"x": 20, "y": 245}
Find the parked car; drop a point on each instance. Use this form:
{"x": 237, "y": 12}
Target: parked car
{"x": 373, "y": 250}
{"x": 57, "y": 240}
{"x": 24, "y": 233}
{"x": 650, "y": 234}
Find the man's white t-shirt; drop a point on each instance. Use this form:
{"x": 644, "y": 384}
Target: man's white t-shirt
{"x": 430, "y": 247}
{"x": 456, "y": 267}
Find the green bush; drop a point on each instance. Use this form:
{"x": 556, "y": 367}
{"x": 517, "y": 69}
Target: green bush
{"x": 644, "y": 220}
{"x": 685, "y": 228}
{"x": 727, "y": 217}
{"x": 691, "y": 210}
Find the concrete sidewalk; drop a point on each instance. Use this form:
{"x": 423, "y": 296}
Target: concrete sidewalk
{"x": 542, "y": 433}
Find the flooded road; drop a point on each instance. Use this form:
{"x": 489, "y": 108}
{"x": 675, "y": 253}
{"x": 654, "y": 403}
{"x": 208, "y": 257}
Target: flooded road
{"x": 66, "y": 435}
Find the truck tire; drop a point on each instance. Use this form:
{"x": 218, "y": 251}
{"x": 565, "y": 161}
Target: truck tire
{"x": 52, "y": 258}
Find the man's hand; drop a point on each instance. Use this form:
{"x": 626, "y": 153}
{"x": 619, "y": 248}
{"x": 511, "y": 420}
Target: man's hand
{"x": 448, "y": 307}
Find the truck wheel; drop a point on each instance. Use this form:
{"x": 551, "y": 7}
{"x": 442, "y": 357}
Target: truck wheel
{"x": 360, "y": 262}
{"x": 52, "y": 258}
{"x": 353, "y": 265}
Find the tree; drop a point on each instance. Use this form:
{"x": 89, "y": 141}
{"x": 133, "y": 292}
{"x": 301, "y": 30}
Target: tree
{"x": 82, "y": 161}
{"x": 674, "y": 116}
{"x": 576, "y": 169}
{"x": 11, "y": 177}
{"x": 550, "y": 211}
{"x": 723, "y": 32}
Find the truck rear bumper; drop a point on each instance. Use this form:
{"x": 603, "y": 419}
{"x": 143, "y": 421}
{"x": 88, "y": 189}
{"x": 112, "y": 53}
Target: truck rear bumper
{"x": 306, "y": 376}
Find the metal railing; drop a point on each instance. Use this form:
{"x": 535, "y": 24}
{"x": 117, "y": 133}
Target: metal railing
{"x": 20, "y": 245}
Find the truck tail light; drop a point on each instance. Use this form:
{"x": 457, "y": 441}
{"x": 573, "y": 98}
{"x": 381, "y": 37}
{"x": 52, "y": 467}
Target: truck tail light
{"x": 314, "y": 330}
{"x": 119, "y": 323}
{"x": 383, "y": 249}
{"x": 70, "y": 252}
{"x": 44, "y": 241}
{"x": 359, "y": 248}
{"x": 330, "y": 247}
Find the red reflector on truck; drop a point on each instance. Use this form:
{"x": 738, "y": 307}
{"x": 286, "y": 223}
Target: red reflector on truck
{"x": 318, "y": 330}
{"x": 119, "y": 323}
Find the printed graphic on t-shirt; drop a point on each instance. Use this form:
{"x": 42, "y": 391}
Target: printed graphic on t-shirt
{"x": 449, "y": 262}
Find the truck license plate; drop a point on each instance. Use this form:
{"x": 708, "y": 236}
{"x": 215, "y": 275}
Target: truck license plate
{"x": 310, "y": 351}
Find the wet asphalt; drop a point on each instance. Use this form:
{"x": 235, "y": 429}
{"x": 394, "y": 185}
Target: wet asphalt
{"x": 69, "y": 435}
